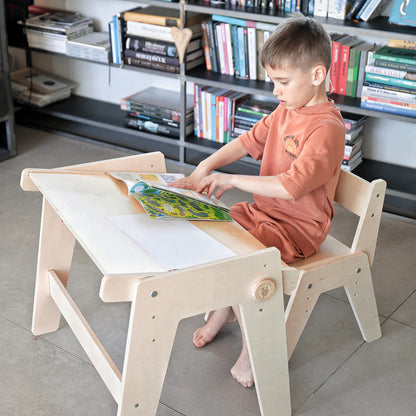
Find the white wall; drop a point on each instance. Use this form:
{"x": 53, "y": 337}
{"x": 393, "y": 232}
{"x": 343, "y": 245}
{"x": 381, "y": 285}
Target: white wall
{"x": 385, "y": 140}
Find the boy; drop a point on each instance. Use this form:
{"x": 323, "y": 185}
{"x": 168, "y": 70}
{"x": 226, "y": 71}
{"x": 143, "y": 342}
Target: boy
{"x": 301, "y": 145}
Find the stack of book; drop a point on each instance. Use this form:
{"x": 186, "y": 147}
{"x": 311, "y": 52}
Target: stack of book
{"x": 143, "y": 37}
{"x": 95, "y": 47}
{"x": 349, "y": 58}
{"x": 51, "y": 31}
{"x": 156, "y": 110}
{"x": 38, "y": 88}
{"x": 231, "y": 46}
{"x": 214, "y": 110}
{"x": 249, "y": 113}
{"x": 353, "y": 140}
{"x": 390, "y": 82}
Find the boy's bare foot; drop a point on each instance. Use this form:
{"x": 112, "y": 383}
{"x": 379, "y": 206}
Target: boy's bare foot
{"x": 209, "y": 331}
{"x": 241, "y": 370}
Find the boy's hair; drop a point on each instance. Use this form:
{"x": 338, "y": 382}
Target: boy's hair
{"x": 298, "y": 42}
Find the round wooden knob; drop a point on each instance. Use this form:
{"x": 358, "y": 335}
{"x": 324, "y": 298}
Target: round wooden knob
{"x": 264, "y": 289}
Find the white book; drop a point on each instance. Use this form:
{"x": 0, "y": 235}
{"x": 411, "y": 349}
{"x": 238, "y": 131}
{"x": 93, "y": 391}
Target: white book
{"x": 220, "y": 49}
{"x": 266, "y": 36}
{"x": 229, "y": 49}
{"x": 337, "y": 9}
{"x": 320, "y": 8}
{"x": 389, "y": 94}
{"x": 252, "y": 52}
{"x": 149, "y": 30}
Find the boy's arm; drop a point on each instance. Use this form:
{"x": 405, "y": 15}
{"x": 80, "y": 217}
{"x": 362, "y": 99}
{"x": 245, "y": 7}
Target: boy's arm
{"x": 229, "y": 153}
{"x": 269, "y": 186}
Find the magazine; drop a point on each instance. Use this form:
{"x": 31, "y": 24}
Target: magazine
{"x": 160, "y": 200}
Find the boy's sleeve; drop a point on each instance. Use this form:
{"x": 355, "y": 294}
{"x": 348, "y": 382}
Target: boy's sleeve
{"x": 319, "y": 161}
{"x": 255, "y": 139}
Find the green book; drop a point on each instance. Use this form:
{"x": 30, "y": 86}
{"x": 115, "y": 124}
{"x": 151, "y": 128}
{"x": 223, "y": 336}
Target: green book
{"x": 400, "y": 55}
{"x": 383, "y": 79}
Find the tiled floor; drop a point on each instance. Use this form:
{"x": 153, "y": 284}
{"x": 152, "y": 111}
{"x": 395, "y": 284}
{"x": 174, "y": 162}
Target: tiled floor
{"x": 332, "y": 372}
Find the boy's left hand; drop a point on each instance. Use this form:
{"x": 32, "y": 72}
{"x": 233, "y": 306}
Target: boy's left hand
{"x": 222, "y": 181}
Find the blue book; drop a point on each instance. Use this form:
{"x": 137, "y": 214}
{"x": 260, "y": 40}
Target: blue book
{"x": 242, "y": 63}
{"x": 403, "y": 13}
{"x": 116, "y": 40}
{"x": 360, "y": 12}
{"x": 288, "y": 6}
{"x": 228, "y": 19}
{"x": 400, "y": 110}
{"x": 234, "y": 40}
{"x": 383, "y": 79}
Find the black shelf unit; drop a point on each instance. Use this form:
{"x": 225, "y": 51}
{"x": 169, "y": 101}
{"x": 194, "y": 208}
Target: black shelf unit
{"x": 7, "y": 135}
{"x": 103, "y": 121}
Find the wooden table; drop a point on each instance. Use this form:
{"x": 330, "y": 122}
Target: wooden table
{"x": 76, "y": 203}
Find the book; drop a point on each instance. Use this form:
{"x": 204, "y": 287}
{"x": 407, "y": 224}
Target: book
{"x": 388, "y": 95}
{"x": 391, "y": 72}
{"x": 338, "y": 9}
{"x": 162, "y": 58}
{"x": 388, "y": 108}
{"x": 386, "y": 87}
{"x": 94, "y": 46}
{"x": 399, "y": 55}
{"x": 207, "y": 54}
{"x": 352, "y": 120}
{"x": 153, "y": 127}
{"x": 402, "y": 43}
{"x": 344, "y": 60}
{"x": 354, "y": 9}
{"x": 252, "y": 53}
{"x": 403, "y": 13}
{"x": 336, "y": 39}
{"x": 162, "y": 16}
{"x": 373, "y": 9}
{"x": 395, "y": 65}
{"x": 352, "y": 73}
{"x": 320, "y": 8}
{"x": 389, "y": 101}
{"x": 365, "y": 50}
{"x": 391, "y": 81}
{"x": 160, "y": 200}
{"x": 349, "y": 161}
{"x": 353, "y": 134}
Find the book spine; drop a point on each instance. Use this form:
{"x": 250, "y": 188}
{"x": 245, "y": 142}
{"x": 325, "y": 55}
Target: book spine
{"x": 246, "y": 53}
{"x": 252, "y": 52}
{"x": 320, "y": 8}
{"x": 150, "y": 31}
{"x": 156, "y": 119}
{"x": 241, "y": 64}
{"x": 260, "y": 42}
{"x": 212, "y": 49}
{"x": 365, "y": 13}
{"x": 196, "y": 110}
{"x": 151, "y": 65}
{"x": 116, "y": 40}
{"x": 364, "y": 6}
{"x": 141, "y": 44}
{"x": 149, "y": 110}
{"x": 204, "y": 126}
{"x": 354, "y": 9}
{"x": 206, "y": 46}
{"x": 390, "y": 72}
{"x": 229, "y": 46}
{"x": 389, "y": 95}
{"x": 403, "y": 111}
{"x": 391, "y": 81}
{"x": 152, "y": 19}
{"x": 337, "y": 9}
{"x": 224, "y": 48}
{"x": 234, "y": 37}
{"x": 389, "y": 101}
{"x": 151, "y": 127}
{"x": 398, "y": 59}
{"x": 214, "y": 137}
{"x": 395, "y": 65}
{"x": 220, "y": 47}
{"x": 402, "y": 43}
{"x": 151, "y": 57}
{"x": 343, "y": 72}
{"x": 389, "y": 87}
{"x": 334, "y": 70}
{"x": 228, "y": 19}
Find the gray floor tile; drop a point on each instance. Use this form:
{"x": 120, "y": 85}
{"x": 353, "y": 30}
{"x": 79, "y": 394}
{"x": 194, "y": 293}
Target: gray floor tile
{"x": 378, "y": 380}
{"x": 407, "y": 312}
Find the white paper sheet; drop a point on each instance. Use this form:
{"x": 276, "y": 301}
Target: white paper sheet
{"x": 172, "y": 244}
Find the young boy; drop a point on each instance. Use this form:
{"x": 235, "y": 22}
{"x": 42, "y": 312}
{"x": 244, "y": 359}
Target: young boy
{"x": 301, "y": 145}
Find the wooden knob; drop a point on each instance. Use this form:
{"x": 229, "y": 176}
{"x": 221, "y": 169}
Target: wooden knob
{"x": 264, "y": 289}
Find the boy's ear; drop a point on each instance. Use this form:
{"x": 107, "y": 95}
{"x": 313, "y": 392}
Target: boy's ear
{"x": 319, "y": 74}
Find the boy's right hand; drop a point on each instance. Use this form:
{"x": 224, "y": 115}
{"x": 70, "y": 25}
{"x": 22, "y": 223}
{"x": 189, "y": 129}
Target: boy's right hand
{"x": 192, "y": 181}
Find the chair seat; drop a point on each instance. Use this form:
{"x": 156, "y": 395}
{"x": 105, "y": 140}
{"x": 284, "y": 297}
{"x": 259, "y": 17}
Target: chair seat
{"x": 331, "y": 247}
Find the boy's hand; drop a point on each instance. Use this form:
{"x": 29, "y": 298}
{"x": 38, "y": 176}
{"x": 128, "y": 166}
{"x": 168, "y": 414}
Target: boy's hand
{"x": 217, "y": 180}
{"x": 191, "y": 181}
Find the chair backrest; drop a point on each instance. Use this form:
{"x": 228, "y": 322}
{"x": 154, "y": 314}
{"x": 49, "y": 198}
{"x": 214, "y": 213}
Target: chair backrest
{"x": 364, "y": 199}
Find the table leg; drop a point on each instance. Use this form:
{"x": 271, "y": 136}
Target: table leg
{"x": 56, "y": 247}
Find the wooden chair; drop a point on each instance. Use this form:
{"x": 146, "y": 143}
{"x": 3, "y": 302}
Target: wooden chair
{"x": 336, "y": 264}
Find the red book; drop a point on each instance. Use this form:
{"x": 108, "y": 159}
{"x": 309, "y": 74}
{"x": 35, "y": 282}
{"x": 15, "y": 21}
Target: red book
{"x": 334, "y": 70}
{"x": 344, "y": 60}
{"x": 206, "y": 46}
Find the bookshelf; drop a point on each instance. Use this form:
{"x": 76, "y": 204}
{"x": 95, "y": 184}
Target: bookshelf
{"x": 99, "y": 120}
{"x": 7, "y": 136}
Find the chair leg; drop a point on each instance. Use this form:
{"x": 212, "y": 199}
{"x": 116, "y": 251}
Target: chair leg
{"x": 298, "y": 310}
{"x": 360, "y": 292}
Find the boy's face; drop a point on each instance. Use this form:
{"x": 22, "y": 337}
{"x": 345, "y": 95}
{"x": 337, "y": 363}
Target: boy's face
{"x": 295, "y": 88}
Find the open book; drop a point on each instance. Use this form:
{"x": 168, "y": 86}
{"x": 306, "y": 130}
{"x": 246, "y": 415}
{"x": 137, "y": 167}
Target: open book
{"x": 160, "y": 200}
